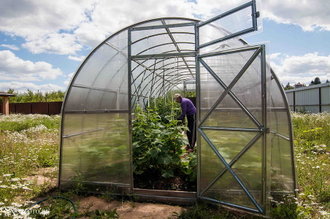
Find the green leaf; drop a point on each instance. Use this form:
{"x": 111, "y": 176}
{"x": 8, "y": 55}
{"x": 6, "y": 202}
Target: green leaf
{"x": 154, "y": 152}
{"x": 139, "y": 172}
{"x": 167, "y": 173}
{"x": 164, "y": 159}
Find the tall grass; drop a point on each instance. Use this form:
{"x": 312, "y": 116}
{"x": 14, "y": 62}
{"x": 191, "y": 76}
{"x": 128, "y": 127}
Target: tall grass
{"x": 30, "y": 142}
{"x": 312, "y": 151}
{"x": 27, "y": 143}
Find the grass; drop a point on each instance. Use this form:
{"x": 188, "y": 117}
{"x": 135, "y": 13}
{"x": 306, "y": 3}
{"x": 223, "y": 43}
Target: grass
{"x": 312, "y": 150}
{"x": 29, "y": 143}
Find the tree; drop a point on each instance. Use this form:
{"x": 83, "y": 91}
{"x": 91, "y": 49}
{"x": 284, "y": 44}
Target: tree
{"x": 30, "y": 96}
{"x": 316, "y": 81}
{"x": 288, "y": 87}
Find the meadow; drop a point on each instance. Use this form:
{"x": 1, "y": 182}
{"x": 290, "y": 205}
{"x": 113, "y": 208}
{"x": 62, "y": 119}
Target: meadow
{"x": 29, "y": 148}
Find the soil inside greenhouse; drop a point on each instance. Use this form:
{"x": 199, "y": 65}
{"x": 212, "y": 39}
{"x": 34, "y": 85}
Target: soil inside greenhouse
{"x": 180, "y": 182}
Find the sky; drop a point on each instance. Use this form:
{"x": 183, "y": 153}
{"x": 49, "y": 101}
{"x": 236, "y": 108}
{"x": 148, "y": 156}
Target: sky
{"x": 43, "y": 42}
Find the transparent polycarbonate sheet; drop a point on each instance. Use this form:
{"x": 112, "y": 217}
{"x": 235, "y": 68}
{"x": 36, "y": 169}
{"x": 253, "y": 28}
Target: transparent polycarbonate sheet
{"x": 249, "y": 170}
{"x": 210, "y": 164}
{"x": 249, "y": 85}
{"x": 232, "y": 23}
{"x": 228, "y": 112}
{"x": 223, "y": 45}
{"x": 179, "y": 21}
{"x": 76, "y": 99}
{"x": 94, "y": 65}
{"x": 149, "y": 24}
{"x": 115, "y": 71}
{"x": 282, "y": 153}
{"x": 109, "y": 100}
{"x": 211, "y": 90}
{"x": 153, "y": 39}
{"x": 163, "y": 40}
{"x": 227, "y": 190}
{"x": 227, "y": 66}
{"x": 101, "y": 155}
{"x": 94, "y": 100}
{"x": 281, "y": 165}
{"x": 229, "y": 143}
{"x": 108, "y": 60}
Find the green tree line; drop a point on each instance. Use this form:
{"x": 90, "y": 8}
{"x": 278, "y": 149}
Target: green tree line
{"x": 30, "y": 96}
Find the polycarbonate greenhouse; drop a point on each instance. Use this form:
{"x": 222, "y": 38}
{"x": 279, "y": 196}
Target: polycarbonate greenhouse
{"x": 244, "y": 132}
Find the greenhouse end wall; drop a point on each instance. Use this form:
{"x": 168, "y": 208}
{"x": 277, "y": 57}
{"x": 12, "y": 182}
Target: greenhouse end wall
{"x": 148, "y": 60}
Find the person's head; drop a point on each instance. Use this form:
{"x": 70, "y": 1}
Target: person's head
{"x": 177, "y": 98}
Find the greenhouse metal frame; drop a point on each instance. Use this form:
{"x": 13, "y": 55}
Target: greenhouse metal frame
{"x": 244, "y": 131}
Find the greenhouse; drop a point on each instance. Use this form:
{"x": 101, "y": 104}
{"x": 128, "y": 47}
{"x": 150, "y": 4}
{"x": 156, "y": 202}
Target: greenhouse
{"x": 244, "y": 150}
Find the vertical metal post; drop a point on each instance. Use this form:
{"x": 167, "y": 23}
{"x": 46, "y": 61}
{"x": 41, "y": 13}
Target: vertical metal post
{"x": 254, "y": 15}
{"x": 294, "y": 101}
{"x": 320, "y": 100}
{"x": 184, "y": 88}
{"x": 197, "y": 117}
{"x": 265, "y": 149}
{"x": 129, "y": 51}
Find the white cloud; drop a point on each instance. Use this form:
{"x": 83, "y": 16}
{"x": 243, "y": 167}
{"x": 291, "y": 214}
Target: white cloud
{"x": 64, "y": 27}
{"x": 12, "y": 47}
{"x": 303, "y": 69}
{"x": 310, "y": 15}
{"x": 66, "y": 82}
{"x": 54, "y": 43}
{"x": 106, "y": 18}
{"x": 77, "y": 58}
{"x": 22, "y": 87}
{"x": 205, "y": 9}
{"x": 33, "y": 18}
{"x": 14, "y": 68}
{"x": 275, "y": 55}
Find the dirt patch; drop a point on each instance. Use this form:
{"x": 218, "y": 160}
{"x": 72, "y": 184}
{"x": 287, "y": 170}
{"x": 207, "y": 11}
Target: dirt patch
{"x": 130, "y": 210}
{"x": 43, "y": 176}
{"x": 125, "y": 209}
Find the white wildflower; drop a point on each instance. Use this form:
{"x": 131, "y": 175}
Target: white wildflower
{"x": 324, "y": 213}
{"x": 44, "y": 212}
{"x": 16, "y": 204}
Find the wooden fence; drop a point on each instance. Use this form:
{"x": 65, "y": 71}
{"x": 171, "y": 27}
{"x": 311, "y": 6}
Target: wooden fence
{"x": 49, "y": 108}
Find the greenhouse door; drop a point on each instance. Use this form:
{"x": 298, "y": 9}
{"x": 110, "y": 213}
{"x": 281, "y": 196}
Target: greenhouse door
{"x": 231, "y": 122}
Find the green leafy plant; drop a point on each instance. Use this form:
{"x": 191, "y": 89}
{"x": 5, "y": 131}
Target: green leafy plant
{"x": 157, "y": 146}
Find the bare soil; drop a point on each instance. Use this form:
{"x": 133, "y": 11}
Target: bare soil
{"x": 125, "y": 209}
{"x": 130, "y": 210}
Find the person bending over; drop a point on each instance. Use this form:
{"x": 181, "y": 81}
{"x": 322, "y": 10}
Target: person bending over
{"x": 188, "y": 109}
